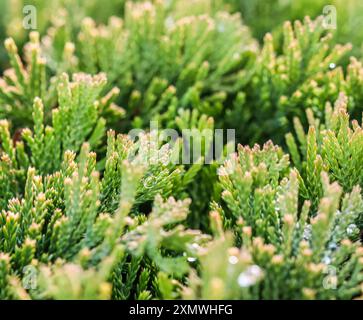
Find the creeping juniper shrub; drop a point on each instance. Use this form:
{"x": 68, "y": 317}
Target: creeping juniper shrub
{"x": 83, "y": 202}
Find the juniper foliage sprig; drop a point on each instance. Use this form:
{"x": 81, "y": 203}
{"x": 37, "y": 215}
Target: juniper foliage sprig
{"x": 283, "y": 81}
{"x": 64, "y": 219}
{"x": 22, "y": 83}
{"x": 85, "y": 215}
{"x": 164, "y": 60}
{"x": 316, "y": 252}
{"x": 334, "y": 145}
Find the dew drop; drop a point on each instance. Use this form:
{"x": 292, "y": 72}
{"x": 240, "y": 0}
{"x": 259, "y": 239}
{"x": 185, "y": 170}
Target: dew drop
{"x": 255, "y": 270}
{"x": 351, "y": 229}
{"x": 307, "y": 232}
{"x": 332, "y": 246}
{"x": 148, "y": 182}
{"x": 233, "y": 259}
{"x": 250, "y": 276}
{"x": 195, "y": 245}
{"x": 326, "y": 260}
{"x": 245, "y": 280}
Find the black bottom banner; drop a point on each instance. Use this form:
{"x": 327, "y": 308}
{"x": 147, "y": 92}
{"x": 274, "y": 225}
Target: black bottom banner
{"x": 168, "y": 309}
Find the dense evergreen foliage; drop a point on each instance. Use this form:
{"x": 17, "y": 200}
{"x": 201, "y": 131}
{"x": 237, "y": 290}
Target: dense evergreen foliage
{"x": 88, "y": 211}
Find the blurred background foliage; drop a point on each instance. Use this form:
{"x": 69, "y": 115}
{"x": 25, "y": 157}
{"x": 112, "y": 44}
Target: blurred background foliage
{"x": 264, "y": 16}
{"x": 190, "y": 64}
{"x": 261, "y": 16}
{"x": 225, "y": 84}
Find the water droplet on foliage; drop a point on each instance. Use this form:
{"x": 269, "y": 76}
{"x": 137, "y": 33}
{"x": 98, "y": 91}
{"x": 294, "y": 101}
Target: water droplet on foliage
{"x": 195, "y": 245}
{"x": 307, "y": 232}
{"x": 332, "y": 65}
{"x": 326, "y": 260}
{"x": 250, "y": 276}
{"x": 148, "y": 182}
{"x": 351, "y": 229}
{"x": 233, "y": 259}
